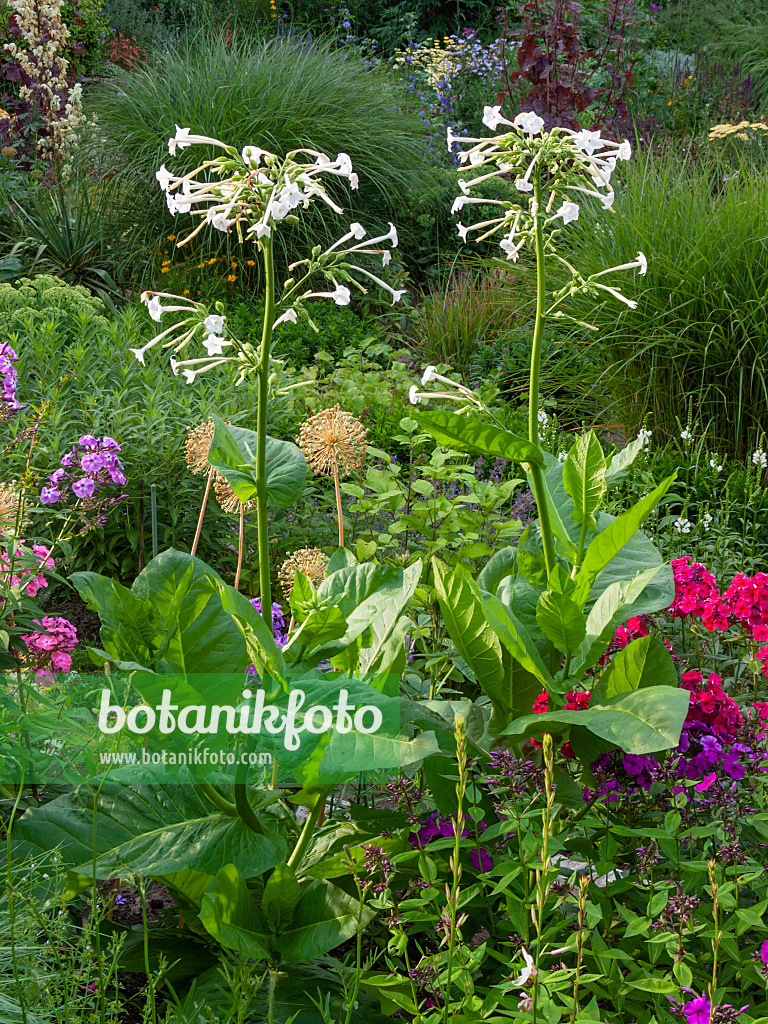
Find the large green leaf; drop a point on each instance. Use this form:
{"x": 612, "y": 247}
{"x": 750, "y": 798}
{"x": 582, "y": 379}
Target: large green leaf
{"x": 584, "y": 477}
{"x": 609, "y": 611}
{"x": 501, "y": 565}
{"x": 468, "y": 435}
{"x": 126, "y": 632}
{"x": 233, "y": 452}
{"x": 515, "y": 638}
{"x": 531, "y": 563}
{"x": 153, "y": 830}
{"x": 644, "y": 662}
{"x": 281, "y": 894}
{"x": 561, "y": 620}
{"x": 465, "y": 619}
{"x": 259, "y": 641}
{"x": 324, "y": 917}
{"x": 641, "y": 722}
{"x": 613, "y": 536}
{"x": 622, "y": 461}
{"x": 231, "y": 916}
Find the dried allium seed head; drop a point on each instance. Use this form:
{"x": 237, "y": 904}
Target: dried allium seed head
{"x": 312, "y": 562}
{"x": 197, "y": 446}
{"x": 333, "y": 438}
{"x": 226, "y": 497}
{"x": 9, "y": 508}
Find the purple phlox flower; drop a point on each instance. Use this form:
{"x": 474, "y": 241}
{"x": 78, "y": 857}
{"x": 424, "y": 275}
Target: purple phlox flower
{"x": 711, "y": 748}
{"x": 57, "y": 476}
{"x": 634, "y": 763}
{"x": 732, "y": 767}
{"x": 49, "y": 495}
{"x": 92, "y": 462}
{"x": 84, "y": 487}
{"x": 69, "y": 458}
{"x": 88, "y": 441}
{"x": 109, "y": 444}
{"x": 698, "y": 1011}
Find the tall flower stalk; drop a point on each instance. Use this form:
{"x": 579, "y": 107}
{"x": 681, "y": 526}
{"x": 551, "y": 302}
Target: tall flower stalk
{"x": 250, "y": 194}
{"x": 551, "y": 171}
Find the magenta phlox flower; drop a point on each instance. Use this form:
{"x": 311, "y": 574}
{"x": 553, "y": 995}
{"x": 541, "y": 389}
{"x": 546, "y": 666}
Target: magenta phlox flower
{"x": 96, "y": 459}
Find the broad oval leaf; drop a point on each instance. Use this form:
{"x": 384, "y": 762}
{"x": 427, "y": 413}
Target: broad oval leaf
{"x": 584, "y": 477}
{"x": 234, "y": 451}
{"x": 467, "y": 435}
{"x": 561, "y": 620}
{"x": 516, "y": 638}
{"x": 644, "y": 662}
{"x": 641, "y": 722}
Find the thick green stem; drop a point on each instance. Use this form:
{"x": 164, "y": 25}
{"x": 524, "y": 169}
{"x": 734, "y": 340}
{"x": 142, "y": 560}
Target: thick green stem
{"x": 242, "y": 803}
{"x": 309, "y": 827}
{"x": 219, "y": 802}
{"x": 537, "y": 477}
{"x": 265, "y": 585}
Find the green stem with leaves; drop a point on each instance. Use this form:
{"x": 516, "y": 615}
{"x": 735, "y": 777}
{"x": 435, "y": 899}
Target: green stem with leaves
{"x": 262, "y": 373}
{"x": 307, "y": 831}
{"x": 537, "y": 477}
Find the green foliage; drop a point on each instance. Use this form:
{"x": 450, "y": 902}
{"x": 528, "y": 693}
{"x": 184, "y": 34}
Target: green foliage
{"x": 48, "y": 298}
{"x": 277, "y": 93}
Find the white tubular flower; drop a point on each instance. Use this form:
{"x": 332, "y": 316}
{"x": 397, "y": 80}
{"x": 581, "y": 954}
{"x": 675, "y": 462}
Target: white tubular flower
{"x": 492, "y": 117}
{"x": 522, "y": 185}
{"x": 397, "y": 294}
{"x": 392, "y": 235}
{"x": 357, "y": 230}
{"x": 511, "y": 248}
{"x": 624, "y": 152}
{"x": 450, "y": 138}
{"x": 189, "y": 375}
{"x": 413, "y": 395}
{"x": 354, "y": 181}
{"x": 462, "y": 230}
{"x": 219, "y": 220}
{"x": 344, "y": 164}
{"x": 431, "y": 372}
{"x": 587, "y": 141}
{"x": 759, "y": 459}
{"x": 526, "y": 972}
{"x": 139, "y": 353}
{"x": 251, "y": 155}
{"x": 686, "y": 435}
{"x": 165, "y": 177}
{"x": 184, "y": 138}
{"x": 642, "y": 264}
{"x": 214, "y": 323}
{"x": 459, "y": 203}
{"x": 288, "y": 315}
{"x": 530, "y": 123}
{"x": 261, "y": 230}
{"x": 342, "y": 295}
{"x": 154, "y": 309}
{"x": 386, "y": 259}
{"x": 465, "y": 185}
{"x": 616, "y": 294}
{"x": 214, "y": 345}
{"x": 569, "y": 212}
{"x": 475, "y": 157}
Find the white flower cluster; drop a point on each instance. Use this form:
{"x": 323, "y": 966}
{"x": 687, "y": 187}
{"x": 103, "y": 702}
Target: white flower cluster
{"x": 759, "y": 458}
{"x": 43, "y": 60}
{"x": 644, "y": 436}
{"x": 255, "y": 191}
{"x": 686, "y": 435}
{"x": 682, "y": 525}
{"x": 714, "y": 465}
{"x": 576, "y": 163}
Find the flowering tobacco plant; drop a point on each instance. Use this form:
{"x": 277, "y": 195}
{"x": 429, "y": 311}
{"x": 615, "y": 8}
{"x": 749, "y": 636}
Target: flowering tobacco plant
{"x": 544, "y": 614}
{"x": 250, "y": 194}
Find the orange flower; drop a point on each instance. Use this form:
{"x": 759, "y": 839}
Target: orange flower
{"x": 232, "y": 277}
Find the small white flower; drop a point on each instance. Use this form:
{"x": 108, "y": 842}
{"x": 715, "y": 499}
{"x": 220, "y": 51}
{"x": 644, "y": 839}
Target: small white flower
{"x": 714, "y": 465}
{"x": 686, "y": 435}
{"x": 491, "y": 117}
{"x": 526, "y": 972}
{"x": 139, "y": 353}
{"x": 759, "y": 458}
{"x": 523, "y": 186}
{"x": 289, "y": 314}
{"x": 543, "y": 418}
{"x": 251, "y": 155}
{"x": 529, "y": 123}
{"x": 397, "y": 295}
{"x": 342, "y": 295}
{"x": 643, "y": 269}
{"x": 354, "y": 181}
{"x": 587, "y": 141}
{"x": 429, "y": 374}
{"x": 291, "y": 195}
{"x": 462, "y": 230}
{"x": 261, "y": 230}
{"x": 706, "y": 521}
{"x": 392, "y": 235}
{"x": 562, "y": 456}
{"x": 568, "y": 211}
{"x": 164, "y": 177}
{"x": 510, "y": 247}
{"x": 459, "y": 203}
{"x": 682, "y": 525}
{"x": 607, "y": 201}
{"x": 154, "y": 309}
{"x": 386, "y": 259}
{"x": 214, "y": 345}
{"x": 644, "y": 436}
{"x": 624, "y": 152}
{"x": 214, "y": 324}
{"x": 475, "y": 157}
{"x": 174, "y": 366}
{"x": 413, "y": 395}
{"x": 464, "y": 186}
{"x": 358, "y": 231}
{"x": 189, "y": 376}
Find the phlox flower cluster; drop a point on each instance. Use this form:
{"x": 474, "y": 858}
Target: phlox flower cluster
{"x": 437, "y": 827}
{"x": 576, "y": 700}
{"x": 51, "y": 646}
{"x": 696, "y": 594}
{"x": 86, "y": 469}
{"x": 9, "y": 381}
{"x": 747, "y": 597}
{"x": 25, "y": 568}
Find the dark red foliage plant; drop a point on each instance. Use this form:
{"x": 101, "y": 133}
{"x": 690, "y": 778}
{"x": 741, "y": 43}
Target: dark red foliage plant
{"x": 566, "y": 66}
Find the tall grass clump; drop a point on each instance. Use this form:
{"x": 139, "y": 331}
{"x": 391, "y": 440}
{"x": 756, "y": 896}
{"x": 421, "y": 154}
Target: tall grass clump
{"x": 696, "y": 347}
{"x": 281, "y": 94}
